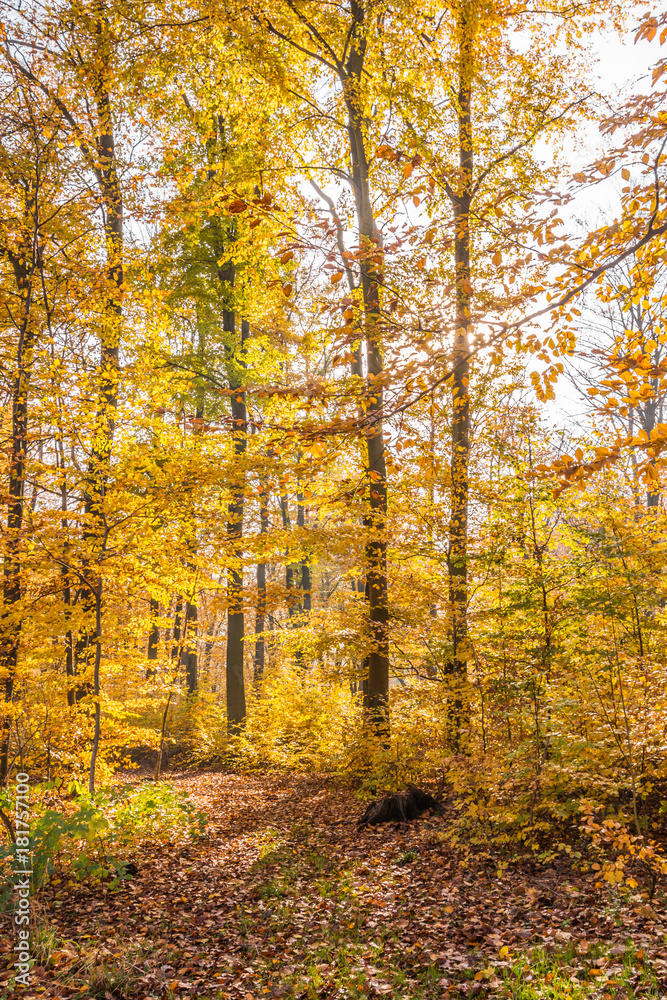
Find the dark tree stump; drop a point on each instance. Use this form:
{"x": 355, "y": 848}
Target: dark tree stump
{"x": 399, "y": 808}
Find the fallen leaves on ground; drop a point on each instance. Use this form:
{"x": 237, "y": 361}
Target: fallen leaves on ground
{"x": 285, "y": 898}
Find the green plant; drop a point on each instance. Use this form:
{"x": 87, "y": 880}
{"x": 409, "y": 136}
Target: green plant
{"x": 52, "y": 833}
{"x": 91, "y": 838}
{"x": 158, "y": 810}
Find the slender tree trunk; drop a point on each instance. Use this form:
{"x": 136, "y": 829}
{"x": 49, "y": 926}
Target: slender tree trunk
{"x": 306, "y": 582}
{"x": 96, "y": 680}
{"x": 357, "y": 371}
{"x": 289, "y": 567}
{"x": 353, "y": 76}
{"x": 106, "y": 169}
{"x": 176, "y": 656}
{"x": 153, "y": 636}
{"x": 371, "y": 279}
{"x": 260, "y": 611}
{"x": 24, "y": 261}
{"x": 176, "y": 636}
{"x": 653, "y": 489}
{"x": 66, "y": 582}
{"x": 236, "y": 704}
{"x": 460, "y": 456}
{"x": 433, "y": 610}
{"x": 208, "y": 648}
{"x": 190, "y": 647}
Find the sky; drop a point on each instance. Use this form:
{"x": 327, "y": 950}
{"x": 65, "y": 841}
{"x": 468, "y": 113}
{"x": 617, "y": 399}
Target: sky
{"x": 623, "y": 69}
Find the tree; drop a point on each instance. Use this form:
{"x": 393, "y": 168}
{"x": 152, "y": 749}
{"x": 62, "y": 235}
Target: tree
{"x": 337, "y": 41}
{"x": 28, "y": 154}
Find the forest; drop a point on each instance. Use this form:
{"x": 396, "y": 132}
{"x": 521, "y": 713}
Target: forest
{"x": 333, "y": 368}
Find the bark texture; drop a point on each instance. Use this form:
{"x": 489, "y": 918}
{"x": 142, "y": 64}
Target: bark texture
{"x": 236, "y": 703}
{"x": 460, "y": 455}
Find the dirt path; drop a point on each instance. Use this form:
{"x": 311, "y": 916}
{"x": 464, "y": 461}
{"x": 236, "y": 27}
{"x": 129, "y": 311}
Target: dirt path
{"x": 279, "y": 901}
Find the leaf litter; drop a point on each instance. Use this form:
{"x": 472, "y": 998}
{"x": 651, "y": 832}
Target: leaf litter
{"x": 286, "y": 897}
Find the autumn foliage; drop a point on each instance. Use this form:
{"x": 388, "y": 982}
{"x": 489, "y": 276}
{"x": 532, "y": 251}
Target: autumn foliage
{"x": 333, "y": 441}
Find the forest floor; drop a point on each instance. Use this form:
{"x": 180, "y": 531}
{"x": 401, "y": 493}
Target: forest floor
{"x": 280, "y": 899}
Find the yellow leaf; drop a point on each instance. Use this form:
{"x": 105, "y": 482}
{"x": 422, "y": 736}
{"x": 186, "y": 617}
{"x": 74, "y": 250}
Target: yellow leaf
{"x": 335, "y": 278}
{"x": 504, "y": 951}
{"x": 407, "y": 169}
{"x": 625, "y": 174}
{"x": 497, "y": 257}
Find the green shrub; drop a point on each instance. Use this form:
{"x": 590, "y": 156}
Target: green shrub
{"x": 90, "y": 840}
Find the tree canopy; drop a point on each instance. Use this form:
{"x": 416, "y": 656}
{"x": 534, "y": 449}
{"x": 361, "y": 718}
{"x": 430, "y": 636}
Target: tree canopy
{"x": 332, "y": 411}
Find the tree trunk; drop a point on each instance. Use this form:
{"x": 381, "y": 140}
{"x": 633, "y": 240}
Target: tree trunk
{"x": 153, "y": 637}
{"x": 66, "y": 581}
{"x": 208, "y": 648}
{"x": 460, "y": 455}
{"x": 290, "y": 575}
{"x": 352, "y": 76}
{"x": 106, "y": 169}
{"x": 260, "y": 612}
{"x": 25, "y": 262}
{"x": 176, "y": 636}
{"x": 371, "y": 278}
{"x": 96, "y": 680}
{"x": 306, "y": 582}
{"x": 236, "y": 704}
{"x": 190, "y": 647}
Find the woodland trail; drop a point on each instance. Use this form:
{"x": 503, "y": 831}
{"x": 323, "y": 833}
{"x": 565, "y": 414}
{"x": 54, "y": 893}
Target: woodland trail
{"x": 279, "y": 901}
